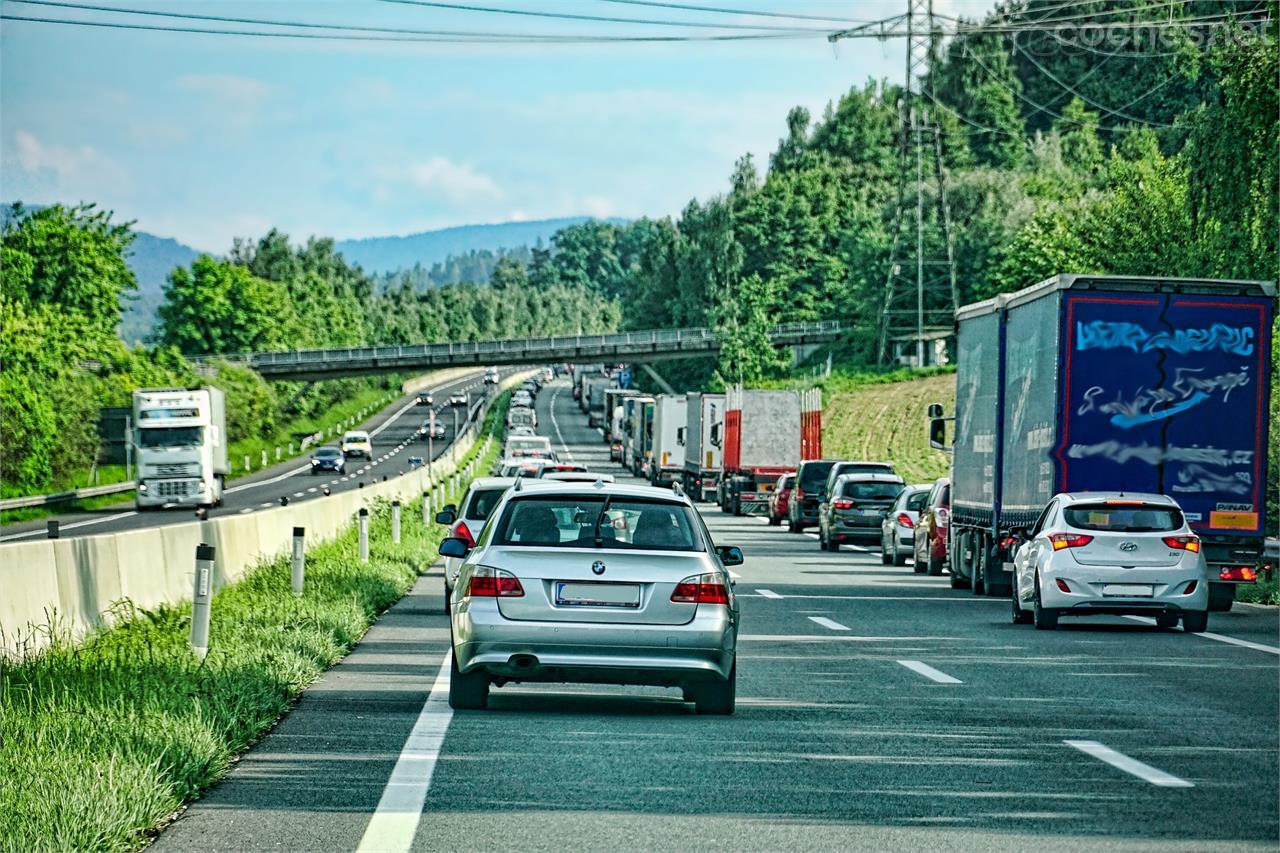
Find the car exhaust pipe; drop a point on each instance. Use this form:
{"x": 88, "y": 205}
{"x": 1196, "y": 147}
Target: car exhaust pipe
{"x": 523, "y": 662}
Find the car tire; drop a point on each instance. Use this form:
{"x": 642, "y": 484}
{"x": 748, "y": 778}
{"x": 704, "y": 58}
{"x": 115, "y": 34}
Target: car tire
{"x": 737, "y": 505}
{"x": 1195, "y": 621}
{"x": 899, "y": 558}
{"x": 718, "y": 697}
{"x": 1020, "y": 616}
{"x": 1044, "y": 618}
{"x": 886, "y": 553}
{"x": 467, "y": 691}
{"x": 793, "y": 526}
{"x": 1165, "y": 621}
{"x": 448, "y": 600}
{"x": 958, "y": 582}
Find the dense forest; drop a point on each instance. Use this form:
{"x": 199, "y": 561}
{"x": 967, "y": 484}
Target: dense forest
{"x": 1153, "y": 153}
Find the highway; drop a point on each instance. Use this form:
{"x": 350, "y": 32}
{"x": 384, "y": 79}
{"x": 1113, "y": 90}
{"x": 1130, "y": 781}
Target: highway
{"x": 392, "y": 433}
{"x": 877, "y": 710}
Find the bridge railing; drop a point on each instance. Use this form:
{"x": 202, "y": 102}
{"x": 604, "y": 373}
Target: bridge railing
{"x": 700, "y": 336}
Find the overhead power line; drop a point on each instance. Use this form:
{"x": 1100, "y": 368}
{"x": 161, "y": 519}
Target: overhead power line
{"x": 512, "y": 38}
{"x": 607, "y": 19}
{"x": 689, "y": 7}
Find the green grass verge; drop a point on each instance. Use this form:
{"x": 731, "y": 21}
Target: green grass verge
{"x": 101, "y": 741}
{"x": 1263, "y": 592}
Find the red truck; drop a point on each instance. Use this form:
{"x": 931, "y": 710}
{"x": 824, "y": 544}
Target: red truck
{"x": 766, "y": 434}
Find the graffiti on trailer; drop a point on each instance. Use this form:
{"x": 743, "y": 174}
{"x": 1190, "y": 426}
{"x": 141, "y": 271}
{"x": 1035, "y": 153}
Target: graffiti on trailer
{"x": 1152, "y": 454}
{"x": 1155, "y": 404}
{"x": 1195, "y": 478}
{"x": 1102, "y": 334}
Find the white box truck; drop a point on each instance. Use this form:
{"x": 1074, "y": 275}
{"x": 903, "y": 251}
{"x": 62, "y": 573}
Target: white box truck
{"x": 669, "y": 417}
{"x": 180, "y": 442}
{"x": 703, "y": 435}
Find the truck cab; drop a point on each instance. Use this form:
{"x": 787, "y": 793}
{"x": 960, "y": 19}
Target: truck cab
{"x": 180, "y": 447}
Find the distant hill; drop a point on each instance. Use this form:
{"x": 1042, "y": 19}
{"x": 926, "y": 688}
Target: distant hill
{"x": 152, "y": 258}
{"x": 389, "y": 254}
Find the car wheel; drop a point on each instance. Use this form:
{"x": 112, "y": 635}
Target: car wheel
{"x": 1045, "y": 619}
{"x": 1020, "y": 616}
{"x": 886, "y": 552}
{"x": 1166, "y": 620}
{"x": 1195, "y": 621}
{"x": 717, "y": 698}
{"x": 737, "y": 505}
{"x": 467, "y": 691}
{"x": 958, "y": 582}
{"x": 899, "y": 558}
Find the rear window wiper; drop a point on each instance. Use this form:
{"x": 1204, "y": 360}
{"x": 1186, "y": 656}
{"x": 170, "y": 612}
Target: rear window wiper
{"x": 595, "y": 534}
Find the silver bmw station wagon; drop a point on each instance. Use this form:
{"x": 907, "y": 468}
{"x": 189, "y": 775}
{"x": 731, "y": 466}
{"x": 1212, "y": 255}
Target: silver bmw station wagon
{"x": 596, "y": 583}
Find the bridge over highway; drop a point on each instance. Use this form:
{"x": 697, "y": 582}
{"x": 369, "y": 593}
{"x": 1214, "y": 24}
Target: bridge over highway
{"x": 653, "y": 345}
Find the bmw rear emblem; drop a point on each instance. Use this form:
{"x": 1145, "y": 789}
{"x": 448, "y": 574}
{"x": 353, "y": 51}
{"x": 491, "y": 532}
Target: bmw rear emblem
{"x": 597, "y": 567}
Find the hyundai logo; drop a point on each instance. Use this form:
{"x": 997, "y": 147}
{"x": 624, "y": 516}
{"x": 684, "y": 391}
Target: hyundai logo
{"x": 1128, "y": 546}
{"x": 597, "y": 567}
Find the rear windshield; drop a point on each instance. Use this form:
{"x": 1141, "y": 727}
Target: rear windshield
{"x": 842, "y": 468}
{"x": 916, "y": 500}
{"x": 813, "y": 475}
{"x": 327, "y": 451}
{"x": 574, "y": 522}
{"x": 1143, "y": 518}
{"x": 872, "y": 491}
{"x": 483, "y": 502}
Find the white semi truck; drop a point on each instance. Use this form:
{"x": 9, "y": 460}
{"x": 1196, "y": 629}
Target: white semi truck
{"x": 667, "y": 460}
{"x": 702, "y": 439}
{"x": 180, "y": 442}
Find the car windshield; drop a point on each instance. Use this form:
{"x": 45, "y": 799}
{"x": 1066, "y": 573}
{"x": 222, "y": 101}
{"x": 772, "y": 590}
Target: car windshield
{"x": 171, "y": 437}
{"x": 482, "y": 503}
{"x": 327, "y": 453}
{"x": 814, "y": 474}
{"x": 573, "y": 521}
{"x": 863, "y": 491}
{"x": 355, "y": 438}
{"x": 1133, "y": 518}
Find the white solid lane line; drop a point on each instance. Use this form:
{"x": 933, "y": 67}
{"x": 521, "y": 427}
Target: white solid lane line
{"x": 1259, "y": 647}
{"x": 828, "y": 623}
{"x": 768, "y": 593}
{"x": 395, "y": 821}
{"x": 929, "y": 672}
{"x": 72, "y": 526}
{"x": 568, "y": 454}
{"x": 1119, "y": 760}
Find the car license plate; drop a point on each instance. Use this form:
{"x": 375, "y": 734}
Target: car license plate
{"x": 1128, "y": 590}
{"x": 569, "y": 594}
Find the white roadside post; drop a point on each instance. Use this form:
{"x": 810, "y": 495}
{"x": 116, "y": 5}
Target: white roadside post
{"x": 299, "y": 560}
{"x": 201, "y": 596}
{"x": 395, "y": 522}
{"x": 264, "y": 458}
{"x": 364, "y": 535}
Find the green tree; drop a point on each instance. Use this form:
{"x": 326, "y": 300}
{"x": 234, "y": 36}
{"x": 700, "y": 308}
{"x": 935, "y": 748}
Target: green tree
{"x": 221, "y": 307}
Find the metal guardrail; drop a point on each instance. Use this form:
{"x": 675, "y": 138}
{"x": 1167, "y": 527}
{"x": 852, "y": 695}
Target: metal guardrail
{"x": 620, "y": 344}
{"x": 62, "y": 497}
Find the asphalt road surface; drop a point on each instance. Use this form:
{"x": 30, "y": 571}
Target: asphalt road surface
{"x": 392, "y": 435}
{"x": 877, "y": 710}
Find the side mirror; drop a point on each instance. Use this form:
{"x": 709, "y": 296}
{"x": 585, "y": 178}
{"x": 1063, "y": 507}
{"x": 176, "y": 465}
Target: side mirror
{"x": 446, "y": 516}
{"x": 680, "y": 435}
{"x": 730, "y": 555}
{"x": 938, "y": 433}
{"x": 453, "y": 547}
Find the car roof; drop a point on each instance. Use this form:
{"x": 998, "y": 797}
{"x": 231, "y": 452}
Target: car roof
{"x": 575, "y": 477}
{"x": 862, "y": 462}
{"x": 869, "y": 477}
{"x": 1095, "y": 497}
{"x": 356, "y": 433}
{"x": 617, "y": 490}
{"x": 484, "y": 484}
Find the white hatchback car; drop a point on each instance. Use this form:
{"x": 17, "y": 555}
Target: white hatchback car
{"x": 1111, "y": 553}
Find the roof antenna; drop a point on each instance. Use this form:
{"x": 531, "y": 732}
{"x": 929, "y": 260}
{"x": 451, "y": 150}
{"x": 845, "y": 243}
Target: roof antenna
{"x": 519, "y": 480}
{"x": 598, "y": 484}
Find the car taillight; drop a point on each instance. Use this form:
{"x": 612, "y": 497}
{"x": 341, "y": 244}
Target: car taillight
{"x": 842, "y": 504}
{"x": 904, "y": 520}
{"x": 943, "y": 515}
{"x": 708, "y": 588}
{"x": 1237, "y": 573}
{"x": 1183, "y": 543}
{"x": 799, "y": 494}
{"x": 493, "y": 583}
{"x": 1069, "y": 540}
{"x": 461, "y": 531}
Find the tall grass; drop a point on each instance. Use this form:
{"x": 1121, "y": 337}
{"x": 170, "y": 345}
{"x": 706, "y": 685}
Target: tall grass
{"x": 101, "y": 741}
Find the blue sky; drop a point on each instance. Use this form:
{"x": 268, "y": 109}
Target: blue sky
{"x": 205, "y": 138}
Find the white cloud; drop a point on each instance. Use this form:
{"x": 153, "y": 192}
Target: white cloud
{"x": 231, "y": 88}
{"x": 458, "y": 182}
{"x": 35, "y": 169}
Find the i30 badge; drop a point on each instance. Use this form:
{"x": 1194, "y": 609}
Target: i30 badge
{"x": 597, "y": 567}
{"x": 1128, "y": 546}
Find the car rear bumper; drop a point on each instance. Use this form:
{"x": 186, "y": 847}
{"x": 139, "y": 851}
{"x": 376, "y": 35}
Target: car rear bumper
{"x": 700, "y": 650}
{"x": 1088, "y": 596}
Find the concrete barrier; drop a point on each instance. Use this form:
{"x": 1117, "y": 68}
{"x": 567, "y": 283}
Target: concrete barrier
{"x": 75, "y": 583}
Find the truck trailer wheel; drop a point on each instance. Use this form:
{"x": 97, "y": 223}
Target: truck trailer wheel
{"x": 1221, "y": 595}
{"x": 1195, "y": 621}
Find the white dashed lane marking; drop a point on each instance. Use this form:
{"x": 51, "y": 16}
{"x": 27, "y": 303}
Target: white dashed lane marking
{"x": 1119, "y": 760}
{"x": 828, "y": 623}
{"x": 929, "y": 672}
